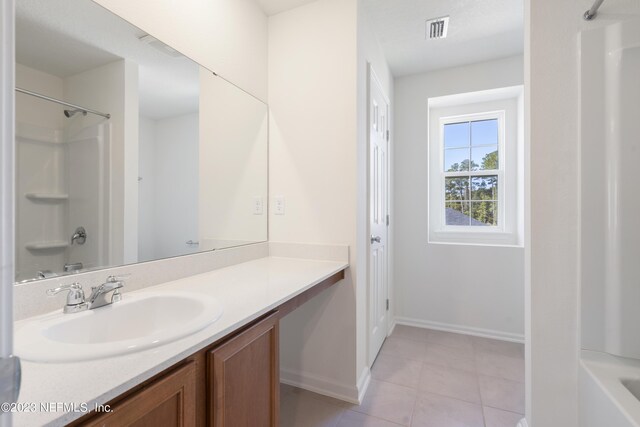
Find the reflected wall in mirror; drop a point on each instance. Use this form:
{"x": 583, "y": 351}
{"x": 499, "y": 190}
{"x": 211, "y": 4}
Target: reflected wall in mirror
{"x": 127, "y": 151}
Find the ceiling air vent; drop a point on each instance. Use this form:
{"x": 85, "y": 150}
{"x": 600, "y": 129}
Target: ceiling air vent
{"x": 437, "y": 28}
{"x": 157, "y": 44}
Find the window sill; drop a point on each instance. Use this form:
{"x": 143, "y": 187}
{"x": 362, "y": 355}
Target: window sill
{"x": 475, "y": 238}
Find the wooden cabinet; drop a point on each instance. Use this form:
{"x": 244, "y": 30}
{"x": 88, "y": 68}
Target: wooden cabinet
{"x": 233, "y": 382}
{"x": 243, "y": 378}
{"x": 167, "y": 402}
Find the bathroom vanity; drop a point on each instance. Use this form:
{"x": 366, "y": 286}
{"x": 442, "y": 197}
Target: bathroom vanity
{"x": 142, "y": 180}
{"x": 224, "y": 375}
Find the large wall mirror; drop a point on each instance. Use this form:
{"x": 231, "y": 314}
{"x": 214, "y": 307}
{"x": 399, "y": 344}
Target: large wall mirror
{"x": 127, "y": 151}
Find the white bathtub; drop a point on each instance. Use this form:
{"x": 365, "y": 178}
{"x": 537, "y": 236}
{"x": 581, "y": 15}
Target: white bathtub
{"x": 605, "y": 396}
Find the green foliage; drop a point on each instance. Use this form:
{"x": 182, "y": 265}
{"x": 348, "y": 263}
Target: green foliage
{"x": 474, "y": 196}
{"x": 490, "y": 161}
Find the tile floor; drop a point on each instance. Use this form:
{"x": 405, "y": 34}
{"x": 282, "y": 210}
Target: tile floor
{"x": 425, "y": 378}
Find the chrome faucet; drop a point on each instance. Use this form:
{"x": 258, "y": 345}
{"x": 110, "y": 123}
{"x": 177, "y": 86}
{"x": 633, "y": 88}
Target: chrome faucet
{"x": 79, "y": 236}
{"x": 73, "y": 267}
{"x": 98, "y": 297}
{"x": 75, "y": 297}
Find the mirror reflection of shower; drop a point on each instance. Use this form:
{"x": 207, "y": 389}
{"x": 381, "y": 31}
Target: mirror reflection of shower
{"x": 62, "y": 162}
{"x": 71, "y": 113}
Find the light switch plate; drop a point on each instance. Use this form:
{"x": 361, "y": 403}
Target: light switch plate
{"x": 278, "y": 205}
{"x": 258, "y": 206}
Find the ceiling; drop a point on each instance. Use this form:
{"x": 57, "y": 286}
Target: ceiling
{"x": 479, "y": 30}
{"x": 64, "y": 38}
{"x": 271, "y": 7}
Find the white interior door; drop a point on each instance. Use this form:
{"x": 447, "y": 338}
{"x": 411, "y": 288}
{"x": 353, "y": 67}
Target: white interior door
{"x": 379, "y": 215}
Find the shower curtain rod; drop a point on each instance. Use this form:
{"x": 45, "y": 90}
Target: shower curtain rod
{"x": 591, "y": 13}
{"x": 67, "y": 104}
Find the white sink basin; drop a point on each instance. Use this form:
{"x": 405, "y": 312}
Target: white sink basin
{"x": 140, "y": 321}
{"x": 633, "y": 385}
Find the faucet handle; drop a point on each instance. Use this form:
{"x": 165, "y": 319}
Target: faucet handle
{"x": 72, "y": 287}
{"x": 75, "y": 297}
{"x": 118, "y": 278}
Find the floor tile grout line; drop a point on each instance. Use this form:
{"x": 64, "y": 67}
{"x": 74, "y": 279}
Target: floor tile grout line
{"x": 399, "y": 385}
{"x": 501, "y": 378}
{"x": 475, "y": 372}
{"x": 373, "y": 416}
{"x": 504, "y": 410}
{"x": 427, "y": 341}
{"x": 475, "y": 355}
{"x": 484, "y": 419}
{"x": 474, "y": 346}
{"x": 415, "y": 401}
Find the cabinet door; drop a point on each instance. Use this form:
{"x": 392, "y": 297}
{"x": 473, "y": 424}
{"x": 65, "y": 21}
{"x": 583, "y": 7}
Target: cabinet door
{"x": 244, "y": 378}
{"x": 167, "y": 402}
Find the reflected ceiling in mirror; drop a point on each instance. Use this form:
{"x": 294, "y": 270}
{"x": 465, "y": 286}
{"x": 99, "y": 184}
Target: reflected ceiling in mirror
{"x": 127, "y": 151}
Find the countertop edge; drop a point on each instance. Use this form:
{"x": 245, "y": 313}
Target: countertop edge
{"x": 157, "y": 368}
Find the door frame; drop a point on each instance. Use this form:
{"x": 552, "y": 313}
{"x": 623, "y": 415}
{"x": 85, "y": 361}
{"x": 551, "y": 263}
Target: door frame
{"x": 372, "y": 78}
{"x": 9, "y": 365}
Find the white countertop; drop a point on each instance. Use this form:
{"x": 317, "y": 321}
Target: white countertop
{"x": 246, "y": 291}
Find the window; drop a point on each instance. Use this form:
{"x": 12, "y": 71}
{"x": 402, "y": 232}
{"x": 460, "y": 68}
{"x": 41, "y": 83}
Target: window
{"x": 471, "y": 170}
{"x": 474, "y": 165}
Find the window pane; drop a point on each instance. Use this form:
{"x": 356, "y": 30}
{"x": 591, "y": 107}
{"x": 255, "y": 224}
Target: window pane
{"x": 456, "y": 160}
{"x": 484, "y": 158}
{"x": 456, "y": 135}
{"x": 457, "y": 213}
{"x": 456, "y": 188}
{"x": 484, "y": 213}
{"x": 484, "y": 132}
{"x": 484, "y": 187}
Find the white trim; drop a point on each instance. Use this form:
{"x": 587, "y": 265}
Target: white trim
{"x": 392, "y": 327}
{"x": 363, "y": 384}
{"x": 461, "y": 329}
{"x": 327, "y": 386}
{"x": 7, "y": 180}
{"x": 522, "y": 423}
{"x": 510, "y": 190}
{"x": 443, "y": 229}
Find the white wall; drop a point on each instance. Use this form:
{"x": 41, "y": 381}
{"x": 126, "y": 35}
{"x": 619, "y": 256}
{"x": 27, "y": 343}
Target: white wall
{"x": 226, "y": 36}
{"x": 552, "y": 325}
{"x": 486, "y": 294}
{"x": 147, "y": 189}
{"x": 36, "y": 111}
{"x": 168, "y": 215}
{"x": 176, "y": 179}
{"x": 313, "y": 133}
{"x": 233, "y": 165}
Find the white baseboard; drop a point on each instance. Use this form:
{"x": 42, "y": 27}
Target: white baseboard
{"x": 363, "y": 383}
{"x": 325, "y": 386}
{"x": 459, "y": 329}
{"x": 392, "y": 327}
{"x": 523, "y": 423}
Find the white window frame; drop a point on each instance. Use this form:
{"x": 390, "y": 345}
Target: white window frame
{"x": 505, "y": 105}
{"x": 500, "y": 116}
